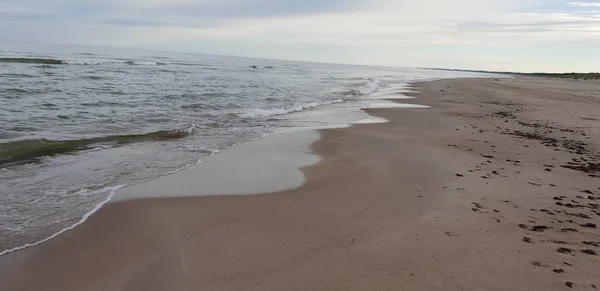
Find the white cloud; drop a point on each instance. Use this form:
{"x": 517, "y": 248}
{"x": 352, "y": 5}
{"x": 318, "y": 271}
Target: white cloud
{"x": 584, "y": 4}
{"x": 480, "y": 34}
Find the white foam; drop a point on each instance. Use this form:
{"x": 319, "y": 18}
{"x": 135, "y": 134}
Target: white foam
{"x": 370, "y": 87}
{"x": 372, "y": 120}
{"x": 80, "y": 63}
{"x": 382, "y": 104}
{"x": 191, "y": 129}
{"x": 397, "y": 96}
{"x": 275, "y": 180}
{"x": 198, "y": 162}
{"x": 393, "y": 92}
{"x": 143, "y": 63}
{"x": 83, "y": 219}
{"x": 261, "y": 113}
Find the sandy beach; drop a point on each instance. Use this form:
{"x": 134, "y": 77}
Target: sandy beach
{"x": 495, "y": 187}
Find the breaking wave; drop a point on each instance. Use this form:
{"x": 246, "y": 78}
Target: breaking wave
{"x": 24, "y": 150}
{"x": 144, "y": 63}
{"x": 369, "y": 87}
{"x": 261, "y": 113}
{"x": 31, "y": 61}
{"x": 111, "y": 192}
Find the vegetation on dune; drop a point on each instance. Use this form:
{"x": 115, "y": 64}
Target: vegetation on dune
{"x": 579, "y": 76}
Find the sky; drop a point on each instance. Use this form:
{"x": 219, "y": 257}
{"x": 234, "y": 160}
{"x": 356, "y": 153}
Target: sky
{"x": 502, "y": 35}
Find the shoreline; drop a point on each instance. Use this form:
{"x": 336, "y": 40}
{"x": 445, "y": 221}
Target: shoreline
{"x": 337, "y": 118}
{"x": 382, "y": 197}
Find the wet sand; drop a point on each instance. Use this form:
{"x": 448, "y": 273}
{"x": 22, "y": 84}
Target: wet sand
{"x": 496, "y": 187}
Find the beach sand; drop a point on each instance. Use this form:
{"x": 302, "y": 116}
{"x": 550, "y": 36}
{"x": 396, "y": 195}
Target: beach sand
{"x": 492, "y": 188}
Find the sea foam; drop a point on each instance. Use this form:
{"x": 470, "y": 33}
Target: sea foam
{"x": 261, "y": 113}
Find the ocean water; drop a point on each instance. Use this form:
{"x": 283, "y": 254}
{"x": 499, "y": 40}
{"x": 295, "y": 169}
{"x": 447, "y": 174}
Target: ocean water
{"x": 76, "y": 123}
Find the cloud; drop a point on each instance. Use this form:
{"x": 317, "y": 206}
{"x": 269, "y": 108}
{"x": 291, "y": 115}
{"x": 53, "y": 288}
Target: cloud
{"x": 584, "y": 4}
{"x": 526, "y": 23}
{"x": 481, "y": 34}
{"x": 260, "y": 8}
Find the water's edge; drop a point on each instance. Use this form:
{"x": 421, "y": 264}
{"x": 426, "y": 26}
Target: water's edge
{"x": 301, "y": 151}
{"x": 113, "y": 191}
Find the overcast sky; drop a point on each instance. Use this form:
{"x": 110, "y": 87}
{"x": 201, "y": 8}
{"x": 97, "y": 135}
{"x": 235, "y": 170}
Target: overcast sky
{"x": 525, "y": 35}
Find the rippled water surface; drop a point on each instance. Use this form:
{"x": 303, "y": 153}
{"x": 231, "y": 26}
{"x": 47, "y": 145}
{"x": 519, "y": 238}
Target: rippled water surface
{"x": 78, "y": 121}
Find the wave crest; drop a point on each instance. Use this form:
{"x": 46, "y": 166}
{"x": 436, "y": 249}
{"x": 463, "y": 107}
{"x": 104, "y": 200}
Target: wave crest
{"x": 24, "y": 150}
{"x": 31, "y": 61}
{"x": 144, "y": 63}
{"x": 261, "y": 113}
{"x": 369, "y": 87}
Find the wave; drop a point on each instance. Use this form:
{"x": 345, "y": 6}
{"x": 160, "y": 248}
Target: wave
{"x": 27, "y": 150}
{"x": 217, "y": 106}
{"x": 261, "y": 67}
{"x": 16, "y": 75}
{"x": 200, "y": 106}
{"x": 112, "y": 190}
{"x": 369, "y": 87}
{"x": 188, "y": 64}
{"x": 346, "y": 78}
{"x": 126, "y": 62}
{"x": 31, "y": 61}
{"x": 16, "y": 90}
{"x": 93, "y": 77}
{"x": 80, "y": 63}
{"x": 261, "y": 113}
{"x": 144, "y": 63}
{"x": 107, "y": 103}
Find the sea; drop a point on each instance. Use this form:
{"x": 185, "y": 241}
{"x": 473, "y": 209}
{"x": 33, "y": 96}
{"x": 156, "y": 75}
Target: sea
{"x": 77, "y": 122}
